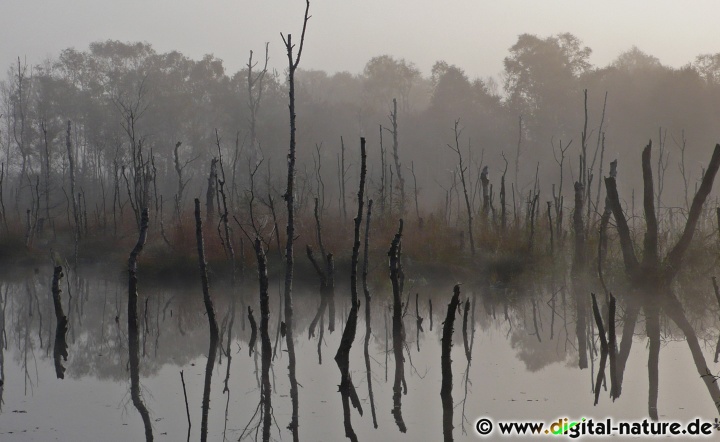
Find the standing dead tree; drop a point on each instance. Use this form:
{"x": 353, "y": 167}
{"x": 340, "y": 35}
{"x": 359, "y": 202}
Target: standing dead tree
{"x": 462, "y": 168}
{"x": 210, "y": 310}
{"x": 289, "y": 196}
{"x": 133, "y": 335}
{"x": 358, "y": 224}
{"x": 604, "y": 221}
{"x": 342, "y": 357}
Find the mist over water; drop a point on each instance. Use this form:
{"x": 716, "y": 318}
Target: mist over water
{"x": 531, "y": 245}
{"x": 513, "y": 375}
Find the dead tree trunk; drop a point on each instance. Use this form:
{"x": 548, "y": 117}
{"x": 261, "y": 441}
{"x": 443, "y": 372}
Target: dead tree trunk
{"x": 210, "y": 310}
{"x": 265, "y": 390}
{"x": 446, "y": 365}
{"x": 290, "y": 200}
{"x": 368, "y": 312}
{"x": 358, "y": 223}
{"x": 398, "y": 331}
{"x": 133, "y": 335}
{"x": 652, "y": 278}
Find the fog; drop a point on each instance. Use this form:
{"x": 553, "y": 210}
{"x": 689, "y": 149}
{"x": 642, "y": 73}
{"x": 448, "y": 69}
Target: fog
{"x": 511, "y": 75}
{"x": 476, "y": 140}
{"x": 344, "y": 35}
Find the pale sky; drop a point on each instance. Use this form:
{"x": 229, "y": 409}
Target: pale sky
{"x": 344, "y": 34}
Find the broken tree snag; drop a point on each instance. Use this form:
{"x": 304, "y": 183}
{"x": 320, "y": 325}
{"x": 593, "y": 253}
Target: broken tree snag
{"x": 210, "y": 310}
{"x": 342, "y": 359}
{"x": 358, "y": 223}
{"x": 674, "y": 258}
{"x": 650, "y": 255}
{"x": 626, "y": 245}
{"x": 266, "y": 347}
{"x": 446, "y": 365}
{"x": 60, "y": 347}
{"x": 133, "y": 335}
{"x": 398, "y": 332}
{"x": 604, "y": 221}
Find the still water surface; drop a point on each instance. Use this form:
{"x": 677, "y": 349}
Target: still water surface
{"x": 512, "y": 375}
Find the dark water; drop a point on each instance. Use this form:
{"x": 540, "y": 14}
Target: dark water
{"x": 514, "y": 373}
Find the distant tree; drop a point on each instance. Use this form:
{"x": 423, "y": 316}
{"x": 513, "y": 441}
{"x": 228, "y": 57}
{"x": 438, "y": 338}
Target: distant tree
{"x": 387, "y": 78}
{"x": 541, "y": 77}
{"x": 708, "y": 67}
{"x": 634, "y": 60}
{"x": 452, "y": 91}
